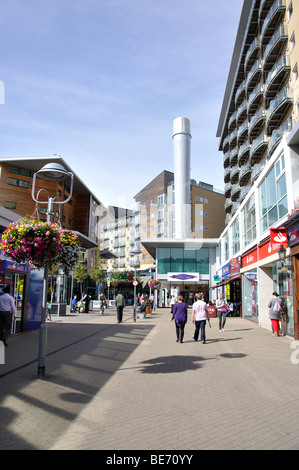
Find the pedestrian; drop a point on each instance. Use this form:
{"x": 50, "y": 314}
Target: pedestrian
{"x": 7, "y": 311}
{"x": 221, "y": 311}
{"x": 172, "y": 303}
{"x": 180, "y": 314}
{"x": 120, "y": 303}
{"x": 275, "y": 305}
{"x": 200, "y": 316}
{"x": 74, "y": 304}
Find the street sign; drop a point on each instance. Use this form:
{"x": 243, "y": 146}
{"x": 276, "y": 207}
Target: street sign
{"x": 135, "y": 283}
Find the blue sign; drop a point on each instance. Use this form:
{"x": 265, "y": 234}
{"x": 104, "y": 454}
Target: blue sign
{"x": 226, "y": 270}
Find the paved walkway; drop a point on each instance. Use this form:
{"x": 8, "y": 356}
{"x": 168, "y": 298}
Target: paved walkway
{"x": 130, "y": 386}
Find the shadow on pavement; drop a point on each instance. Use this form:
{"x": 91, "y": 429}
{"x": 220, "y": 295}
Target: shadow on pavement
{"x": 81, "y": 358}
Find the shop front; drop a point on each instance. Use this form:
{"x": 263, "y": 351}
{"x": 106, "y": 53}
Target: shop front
{"x": 263, "y": 274}
{"x": 16, "y": 277}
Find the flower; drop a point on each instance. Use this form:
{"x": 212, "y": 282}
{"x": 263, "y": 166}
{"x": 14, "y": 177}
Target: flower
{"x": 40, "y": 243}
{"x": 154, "y": 284}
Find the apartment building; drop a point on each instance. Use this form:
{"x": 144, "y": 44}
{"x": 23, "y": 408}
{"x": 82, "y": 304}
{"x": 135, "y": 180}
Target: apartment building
{"x": 258, "y": 131}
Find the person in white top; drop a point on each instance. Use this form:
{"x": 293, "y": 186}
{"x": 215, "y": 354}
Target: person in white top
{"x": 7, "y": 310}
{"x": 199, "y": 317}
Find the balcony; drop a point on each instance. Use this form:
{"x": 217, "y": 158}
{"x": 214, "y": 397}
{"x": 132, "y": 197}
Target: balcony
{"x": 228, "y": 205}
{"x": 258, "y": 148}
{"x": 234, "y": 156}
{"x": 225, "y": 145}
{"x": 233, "y": 139}
{"x": 235, "y": 192}
{"x": 275, "y": 47}
{"x": 227, "y": 175}
{"x": 235, "y": 207}
{"x": 278, "y": 109}
{"x": 255, "y": 99}
{"x": 232, "y": 122}
{"x": 245, "y": 174}
{"x": 257, "y": 169}
{"x": 227, "y": 190}
{"x": 243, "y": 193}
{"x": 234, "y": 174}
{"x": 244, "y": 152}
{"x": 276, "y": 78}
{"x": 252, "y": 53}
{"x": 240, "y": 93}
{"x": 242, "y": 112}
{"x": 257, "y": 123}
{"x": 243, "y": 132}
{"x": 264, "y": 9}
{"x": 272, "y": 20}
{"x": 226, "y": 159}
{"x": 278, "y": 134}
{"x": 254, "y": 76}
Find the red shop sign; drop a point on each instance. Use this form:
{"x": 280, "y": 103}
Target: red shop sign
{"x": 272, "y": 244}
{"x": 249, "y": 258}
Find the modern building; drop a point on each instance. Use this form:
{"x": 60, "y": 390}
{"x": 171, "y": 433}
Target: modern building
{"x": 180, "y": 223}
{"x": 258, "y": 130}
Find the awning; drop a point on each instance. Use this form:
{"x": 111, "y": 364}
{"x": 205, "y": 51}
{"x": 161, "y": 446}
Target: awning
{"x": 225, "y": 281}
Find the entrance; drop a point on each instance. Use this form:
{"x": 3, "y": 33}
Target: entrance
{"x": 16, "y": 282}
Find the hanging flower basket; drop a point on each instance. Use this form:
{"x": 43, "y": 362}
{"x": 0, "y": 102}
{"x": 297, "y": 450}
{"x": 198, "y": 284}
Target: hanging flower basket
{"x": 39, "y": 243}
{"x": 154, "y": 284}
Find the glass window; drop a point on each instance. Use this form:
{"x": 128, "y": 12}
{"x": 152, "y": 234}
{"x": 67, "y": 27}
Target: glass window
{"x": 249, "y": 222}
{"x": 273, "y": 196}
{"x": 10, "y": 205}
{"x": 163, "y": 260}
{"x": 177, "y": 259}
{"x": 235, "y": 236}
{"x": 202, "y": 259}
{"x": 190, "y": 261}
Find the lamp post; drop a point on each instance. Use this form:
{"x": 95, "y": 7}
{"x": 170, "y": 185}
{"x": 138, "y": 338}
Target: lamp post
{"x": 134, "y": 252}
{"x": 49, "y": 172}
{"x": 282, "y": 254}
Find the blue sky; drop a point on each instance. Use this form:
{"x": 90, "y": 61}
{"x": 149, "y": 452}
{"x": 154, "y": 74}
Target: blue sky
{"x": 100, "y": 82}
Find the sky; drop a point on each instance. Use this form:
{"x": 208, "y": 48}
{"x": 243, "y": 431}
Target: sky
{"x": 100, "y": 83}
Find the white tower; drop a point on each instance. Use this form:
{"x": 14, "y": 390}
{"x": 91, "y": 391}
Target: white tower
{"x": 181, "y": 146}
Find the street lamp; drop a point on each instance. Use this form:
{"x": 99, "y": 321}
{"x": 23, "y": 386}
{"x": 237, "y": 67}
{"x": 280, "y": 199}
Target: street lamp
{"x": 134, "y": 252}
{"x": 282, "y": 258}
{"x": 282, "y": 254}
{"x": 49, "y": 172}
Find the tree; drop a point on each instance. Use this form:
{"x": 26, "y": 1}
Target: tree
{"x": 80, "y": 272}
{"x": 97, "y": 274}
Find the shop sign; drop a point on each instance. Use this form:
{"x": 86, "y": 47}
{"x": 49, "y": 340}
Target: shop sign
{"x": 278, "y": 236}
{"x": 235, "y": 265}
{"x": 13, "y": 266}
{"x": 183, "y": 277}
{"x": 225, "y": 270}
{"x": 271, "y": 246}
{"x": 293, "y": 235}
{"x": 249, "y": 258}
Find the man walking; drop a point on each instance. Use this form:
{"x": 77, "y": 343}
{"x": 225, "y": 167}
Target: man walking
{"x": 7, "y": 311}
{"x": 120, "y": 303}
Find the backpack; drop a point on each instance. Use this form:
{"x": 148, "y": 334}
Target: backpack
{"x": 277, "y": 307}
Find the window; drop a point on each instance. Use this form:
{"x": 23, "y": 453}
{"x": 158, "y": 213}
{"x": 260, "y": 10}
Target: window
{"x": 201, "y": 199}
{"x": 290, "y": 10}
{"x": 10, "y": 205}
{"x": 161, "y": 199}
{"x": 292, "y": 42}
{"x": 295, "y": 73}
{"x": 273, "y": 196}
{"x": 15, "y": 182}
{"x": 249, "y": 221}
{"x": 235, "y": 237}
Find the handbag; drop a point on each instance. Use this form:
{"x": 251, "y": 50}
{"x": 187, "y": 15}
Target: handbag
{"x": 224, "y": 308}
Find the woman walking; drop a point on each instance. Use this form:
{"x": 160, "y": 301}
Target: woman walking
{"x": 275, "y": 306}
{"x": 180, "y": 313}
{"x": 221, "y": 311}
{"x": 199, "y": 317}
